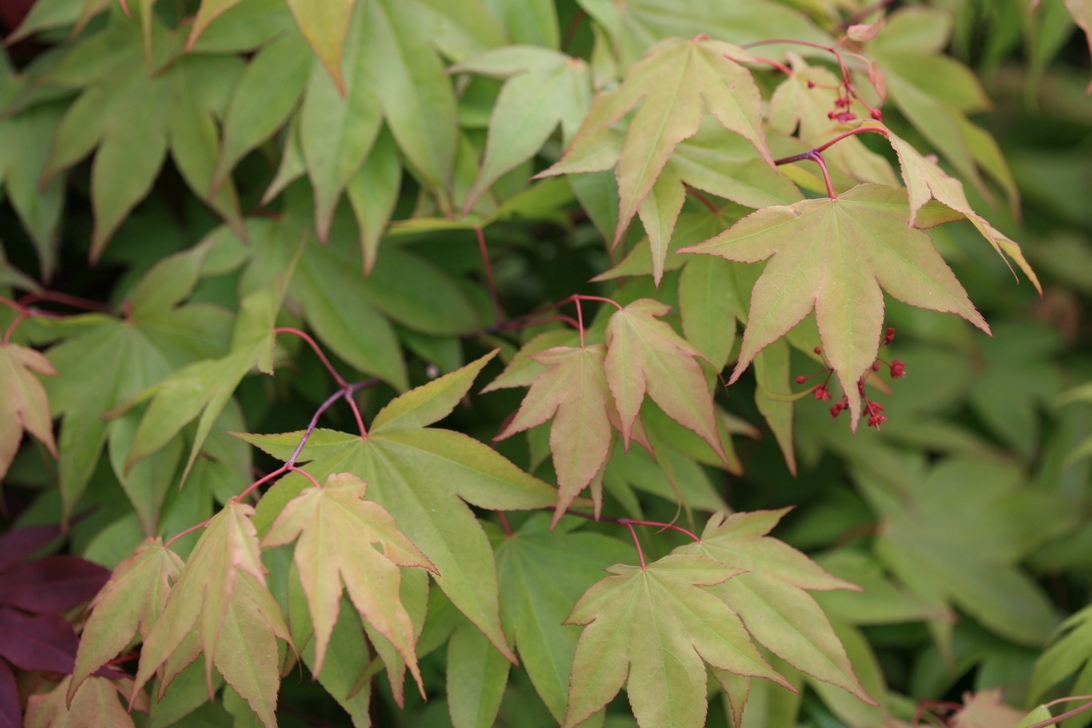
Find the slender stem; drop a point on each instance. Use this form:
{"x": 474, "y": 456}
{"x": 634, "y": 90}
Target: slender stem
{"x": 67, "y": 300}
{"x": 523, "y": 322}
{"x": 637, "y": 543}
{"x": 776, "y": 64}
{"x": 581, "y": 297}
{"x": 265, "y": 479}
{"x": 570, "y": 30}
{"x": 504, "y": 524}
{"x": 703, "y": 199}
{"x": 579, "y": 320}
{"x": 188, "y": 531}
{"x": 1064, "y": 716}
{"x": 489, "y": 274}
{"x": 661, "y": 526}
{"x": 315, "y": 347}
{"x": 860, "y": 130}
{"x": 11, "y": 329}
{"x": 305, "y": 474}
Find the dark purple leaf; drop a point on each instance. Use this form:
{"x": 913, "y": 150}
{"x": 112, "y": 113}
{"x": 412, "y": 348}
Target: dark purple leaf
{"x": 52, "y": 584}
{"x": 10, "y": 715}
{"x": 37, "y": 641}
{"x": 22, "y": 542}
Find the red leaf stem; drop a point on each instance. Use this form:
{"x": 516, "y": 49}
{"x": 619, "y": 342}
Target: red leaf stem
{"x": 318, "y": 351}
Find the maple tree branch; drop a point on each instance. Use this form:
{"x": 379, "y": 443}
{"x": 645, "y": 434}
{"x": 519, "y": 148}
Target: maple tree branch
{"x": 315, "y": 347}
{"x": 489, "y": 274}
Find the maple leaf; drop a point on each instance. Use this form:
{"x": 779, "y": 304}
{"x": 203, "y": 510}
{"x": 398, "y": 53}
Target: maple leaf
{"x": 925, "y": 180}
{"x": 96, "y": 705}
{"x": 770, "y": 596}
{"x": 573, "y": 391}
{"x": 836, "y": 256}
{"x": 131, "y": 601}
{"x": 651, "y": 629}
{"x": 23, "y": 402}
{"x": 645, "y": 354}
{"x": 984, "y": 709}
{"x": 422, "y": 476}
{"x": 337, "y": 532}
{"x": 542, "y": 574}
{"x": 673, "y": 82}
{"x": 221, "y": 606}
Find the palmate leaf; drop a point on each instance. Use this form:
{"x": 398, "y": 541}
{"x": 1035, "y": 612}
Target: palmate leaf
{"x": 424, "y": 477}
{"x": 97, "y": 704}
{"x": 645, "y": 354}
{"x": 573, "y": 391}
{"x": 545, "y": 88}
{"x": 542, "y": 574}
{"x": 673, "y": 83}
{"x": 337, "y": 532}
{"x": 131, "y": 602}
{"x": 771, "y": 598}
{"x": 833, "y": 256}
{"x": 925, "y": 180}
{"x": 220, "y": 606}
{"x": 651, "y": 629}
{"x": 175, "y": 99}
{"x": 23, "y": 401}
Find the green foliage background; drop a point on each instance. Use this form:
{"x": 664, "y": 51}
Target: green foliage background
{"x": 196, "y": 171}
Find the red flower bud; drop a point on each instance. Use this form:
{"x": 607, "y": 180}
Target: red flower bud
{"x": 801, "y": 379}
{"x": 898, "y": 369}
{"x": 875, "y": 366}
{"x": 877, "y": 115}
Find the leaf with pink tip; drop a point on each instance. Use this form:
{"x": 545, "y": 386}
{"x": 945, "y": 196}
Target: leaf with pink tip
{"x": 645, "y": 355}
{"x": 221, "y": 606}
{"x": 836, "y": 257}
{"x": 573, "y": 391}
{"x": 325, "y": 25}
{"x": 23, "y": 402}
{"x": 338, "y": 532}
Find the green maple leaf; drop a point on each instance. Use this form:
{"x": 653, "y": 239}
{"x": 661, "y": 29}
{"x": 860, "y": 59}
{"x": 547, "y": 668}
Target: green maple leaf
{"x": 836, "y": 256}
{"x": 220, "y": 606}
{"x": 573, "y": 391}
{"x": 337, "y": 532}
{"x": 544, "y": 88}
{"x": 23, "y": 401}
{"x": 542, "y": 574}
{"x": 651, "y": 629}
{"x": 645, "y": 354}
{"x": 424, "y": 477}
{"x": 131, "y": 601}
{"x": 636, "y": 24}
{"x": 1071, "y": 646}
{"x": 97, "y": 704}
{"x": 174, "y": 97}
{"x": 672, "y": 84}
{"x": 771, "y": 597}
{"x": 965, "y": 553}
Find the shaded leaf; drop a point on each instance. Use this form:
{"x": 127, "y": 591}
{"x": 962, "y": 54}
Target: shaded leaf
{"x": 96, "y": 704}
{"x": 51, "y": 583}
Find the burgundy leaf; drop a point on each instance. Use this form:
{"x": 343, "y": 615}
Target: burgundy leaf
{"x": 10, "y": 715}
{"x": 22, "y": 542}
{"x": 37, "y": 641}
{"x": 51, "y": 584}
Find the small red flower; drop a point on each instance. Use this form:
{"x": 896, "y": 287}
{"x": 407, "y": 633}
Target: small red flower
{"x": 822, "y": 393}
{"x": 876, "y": 421}
{"x": 838, "y": 407}
{"x": 888, "y": 336}
{"x": 875, "y": 366}
{"x": 873, "y": 408}
{"x": 898, "y": 369}
{"x": 801, "y": 379}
